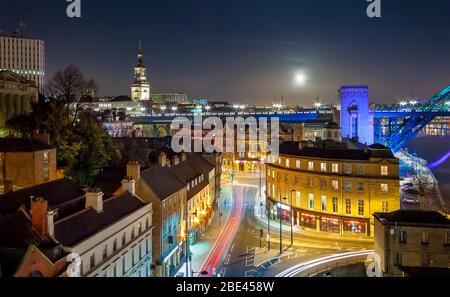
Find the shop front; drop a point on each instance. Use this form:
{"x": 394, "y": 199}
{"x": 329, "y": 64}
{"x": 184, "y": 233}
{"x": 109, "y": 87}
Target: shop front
{"x": 330, "y": 225}
{"x": 355, "y": 226}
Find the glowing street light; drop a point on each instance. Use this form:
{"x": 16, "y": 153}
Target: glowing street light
{"x": 174, "y": 108}
{"x": 403, "y": 103}
{"x": 163, "y": 108}
{"x": 413, "y": 102}
{"x": 208, "y": 108}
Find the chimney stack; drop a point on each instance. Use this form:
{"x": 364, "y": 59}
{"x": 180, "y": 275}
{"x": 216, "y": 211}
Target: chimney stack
{"x": 39, "y": 211}
{"x": 94, "y": 199}
{"x": 134, "y": 170}
{"x": 162, "y": 159}
{"x": 129, "y": 185}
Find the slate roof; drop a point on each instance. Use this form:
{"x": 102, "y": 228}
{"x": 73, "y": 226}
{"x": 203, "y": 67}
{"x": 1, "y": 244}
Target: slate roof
{"x": 110, "y": 180}
{"x": 413, "y": 217}
{"x": 9, "y": 145}
{"x": 351, "y": 153}
{"x": 88, "y": 222}
{"x": 62, "y": 194}
{"x": 163, "y": 181}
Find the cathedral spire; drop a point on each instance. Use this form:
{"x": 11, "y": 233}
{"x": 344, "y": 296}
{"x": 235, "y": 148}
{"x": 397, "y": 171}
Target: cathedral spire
{"x": 140, "y": 56}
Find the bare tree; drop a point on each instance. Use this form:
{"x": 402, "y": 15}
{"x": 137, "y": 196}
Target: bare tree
{"x": 69, "y": 84}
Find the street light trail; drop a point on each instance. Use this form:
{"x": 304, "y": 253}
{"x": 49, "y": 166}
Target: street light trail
{"x": 294, "y": 270}
{"x": 227, "y": 233}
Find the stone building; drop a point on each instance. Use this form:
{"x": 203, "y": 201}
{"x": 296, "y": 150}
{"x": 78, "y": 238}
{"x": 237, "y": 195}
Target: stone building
{"x": 26, "y": 162}
{"x": 412, "y": 243}
{"x": 16, "y": 94}
{"x": 332, "y": 187}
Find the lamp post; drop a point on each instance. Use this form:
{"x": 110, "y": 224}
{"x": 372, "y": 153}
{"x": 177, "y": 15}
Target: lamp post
{"x": 281, "y": 228}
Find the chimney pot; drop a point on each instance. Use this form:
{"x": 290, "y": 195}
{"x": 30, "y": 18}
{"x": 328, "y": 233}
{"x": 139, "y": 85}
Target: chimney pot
{"x": 94, "y": 199}
{"x": 162, "y": 159}
{"x": 129, "y": 185}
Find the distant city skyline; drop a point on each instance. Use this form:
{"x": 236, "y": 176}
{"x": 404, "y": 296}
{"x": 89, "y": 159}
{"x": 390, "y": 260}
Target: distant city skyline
{"x": 250, "y": 52}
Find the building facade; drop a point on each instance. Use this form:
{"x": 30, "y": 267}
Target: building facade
{"x": 25, "y": 57}
{"x": 25, "y": 163}
{"x": 409, "y": 240}
{"x": 16, "y": 95}
{"x": 113, "y": 238}
{"x": 334, "y": 187}
{"x": 140, "y": 89}
{"x": 169, "y": 98}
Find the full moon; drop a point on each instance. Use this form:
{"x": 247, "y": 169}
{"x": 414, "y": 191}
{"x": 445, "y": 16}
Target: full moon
{"x": 300, "y": 79}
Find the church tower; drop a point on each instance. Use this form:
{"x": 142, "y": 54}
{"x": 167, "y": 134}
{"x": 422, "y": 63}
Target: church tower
{"x": 140, "y": 89}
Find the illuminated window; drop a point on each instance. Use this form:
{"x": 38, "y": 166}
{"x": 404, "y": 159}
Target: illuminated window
{"x": 335, "y": 168}
{"x": 273, "y": 190}
{"x": 335, "y": 205}
{"x": 311, "y": 201}
{"x": 297, "y": 198}
{"x": 384, "y": 170}
{"x": 324, "y": 203}
{"x": 297, "y": 164}
{"x": 323, "y": 167}
{"x": 348, "y": 207}
{"x": 384, "y": 188}
{"x": 310, "y": 166}
{"x": 46, "y": 158}
{"x": 361, "y": 207}
{"x": 287, "y": 163}
{"x": 335, "y": 184}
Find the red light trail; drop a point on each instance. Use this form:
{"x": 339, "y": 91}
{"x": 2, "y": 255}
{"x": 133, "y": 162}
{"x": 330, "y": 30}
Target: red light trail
{"x": 227, "y": 234}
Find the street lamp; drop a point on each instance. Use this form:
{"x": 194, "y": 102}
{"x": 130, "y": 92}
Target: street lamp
{"x": 281, "y": 227}
{"x": 208, "y": 108}
{"x": 163, "y": 108}
{"x": 174, "y": 108}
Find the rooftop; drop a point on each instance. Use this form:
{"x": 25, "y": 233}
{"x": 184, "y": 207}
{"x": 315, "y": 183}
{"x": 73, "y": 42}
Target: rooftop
{"x": 62, "y": 194}
{"x": 413, "y": 217}
{"x": 88, "y": 222}
{"x": 347, "y": 150}
{"x": 9, "y": 145}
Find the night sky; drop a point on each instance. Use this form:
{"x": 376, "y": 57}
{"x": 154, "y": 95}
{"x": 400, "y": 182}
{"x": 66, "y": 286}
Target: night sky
{"x": 247, "y": 51}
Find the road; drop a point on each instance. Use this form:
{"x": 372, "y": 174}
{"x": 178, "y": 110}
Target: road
{"x": 241, "y": 253}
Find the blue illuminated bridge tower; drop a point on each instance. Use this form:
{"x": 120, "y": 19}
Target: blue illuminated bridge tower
{"x": 356, "y": 121}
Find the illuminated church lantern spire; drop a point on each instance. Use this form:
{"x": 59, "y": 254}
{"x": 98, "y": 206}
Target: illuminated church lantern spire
{"x": 140, "y": 89}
